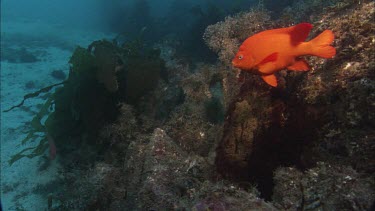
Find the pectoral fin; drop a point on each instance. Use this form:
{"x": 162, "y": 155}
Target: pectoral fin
{"x": 267, "y": 65}
{"x": 270, "y": 79}
{"x": 268, "y": 68}
{"x": 299, "y": 65}
{"x": 270, "y": 58}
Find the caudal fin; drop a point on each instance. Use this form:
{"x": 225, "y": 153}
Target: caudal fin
{"x": 321, "y": 45}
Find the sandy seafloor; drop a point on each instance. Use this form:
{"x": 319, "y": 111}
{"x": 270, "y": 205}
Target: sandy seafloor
{"x": 54, "y": 44}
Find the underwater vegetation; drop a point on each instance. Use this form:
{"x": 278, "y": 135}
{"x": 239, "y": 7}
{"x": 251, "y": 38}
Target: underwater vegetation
{"x": 89, "y": 98}
{"x": 137, "y": 127}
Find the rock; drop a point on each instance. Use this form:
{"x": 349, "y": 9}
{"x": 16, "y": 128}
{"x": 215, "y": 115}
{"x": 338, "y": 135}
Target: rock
{"x": 324, "y": 187}
{"x": 160, "y": 175}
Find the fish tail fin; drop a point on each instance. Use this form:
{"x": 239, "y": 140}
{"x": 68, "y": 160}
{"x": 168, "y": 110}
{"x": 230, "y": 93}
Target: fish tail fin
{"x": 321, "y": 45}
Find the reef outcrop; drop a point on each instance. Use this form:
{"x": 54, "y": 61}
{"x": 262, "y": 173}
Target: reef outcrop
{"x": 321, "y": 115}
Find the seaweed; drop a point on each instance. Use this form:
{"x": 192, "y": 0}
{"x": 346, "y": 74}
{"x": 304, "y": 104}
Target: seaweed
{"x": 101, "y": 77}
{"x": 144, "y": 68}
{"x": 34, "y": 94}
{"x": 36, "y": 151}
{"x": 36, "y": 128}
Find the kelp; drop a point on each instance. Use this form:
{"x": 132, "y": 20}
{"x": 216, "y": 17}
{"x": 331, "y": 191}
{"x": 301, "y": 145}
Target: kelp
{"x": 100, "y": 78}
{"x": 36, "y": 151}
{"x": 34, "y": 94}
{"x": 82, "y": 60}
{"x": 37, "y": 127}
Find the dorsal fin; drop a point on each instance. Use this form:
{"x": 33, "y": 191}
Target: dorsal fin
{"x": 300, "y": 32}
{"x": 270, "y": 58}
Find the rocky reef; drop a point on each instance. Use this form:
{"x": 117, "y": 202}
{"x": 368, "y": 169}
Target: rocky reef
{"x": 138, "y": 128}
{"x": 323, "y": 115}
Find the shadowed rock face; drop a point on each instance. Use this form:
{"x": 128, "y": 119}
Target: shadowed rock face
{"x": 265, "y": 128}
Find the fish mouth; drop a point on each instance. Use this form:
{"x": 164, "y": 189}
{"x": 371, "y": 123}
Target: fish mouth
{"x": 234, "y": 63}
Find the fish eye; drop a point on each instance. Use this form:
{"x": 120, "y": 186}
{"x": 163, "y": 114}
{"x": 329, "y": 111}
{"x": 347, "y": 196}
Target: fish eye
{"x": 240, "y": 57}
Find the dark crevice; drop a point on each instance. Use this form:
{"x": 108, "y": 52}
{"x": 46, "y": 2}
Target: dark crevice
{"x": 293, "y": 128}
{"x": 285, "y": 132}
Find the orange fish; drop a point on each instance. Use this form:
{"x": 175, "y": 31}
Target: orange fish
{"x": 273, "y": 50}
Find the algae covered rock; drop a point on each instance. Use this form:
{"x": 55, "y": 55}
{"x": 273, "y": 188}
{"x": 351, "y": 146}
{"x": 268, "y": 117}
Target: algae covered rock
{"x": 320, "y": 115}
{"x": 170, "y": 178}
{"x": 324, "y": 187}
{"x": 222, "y": 196}
{"x": 161, "y": 175}
{"x": 225, "y": 37}
{"x": 238, "y": 144}
{"x": 194, "y": 124}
